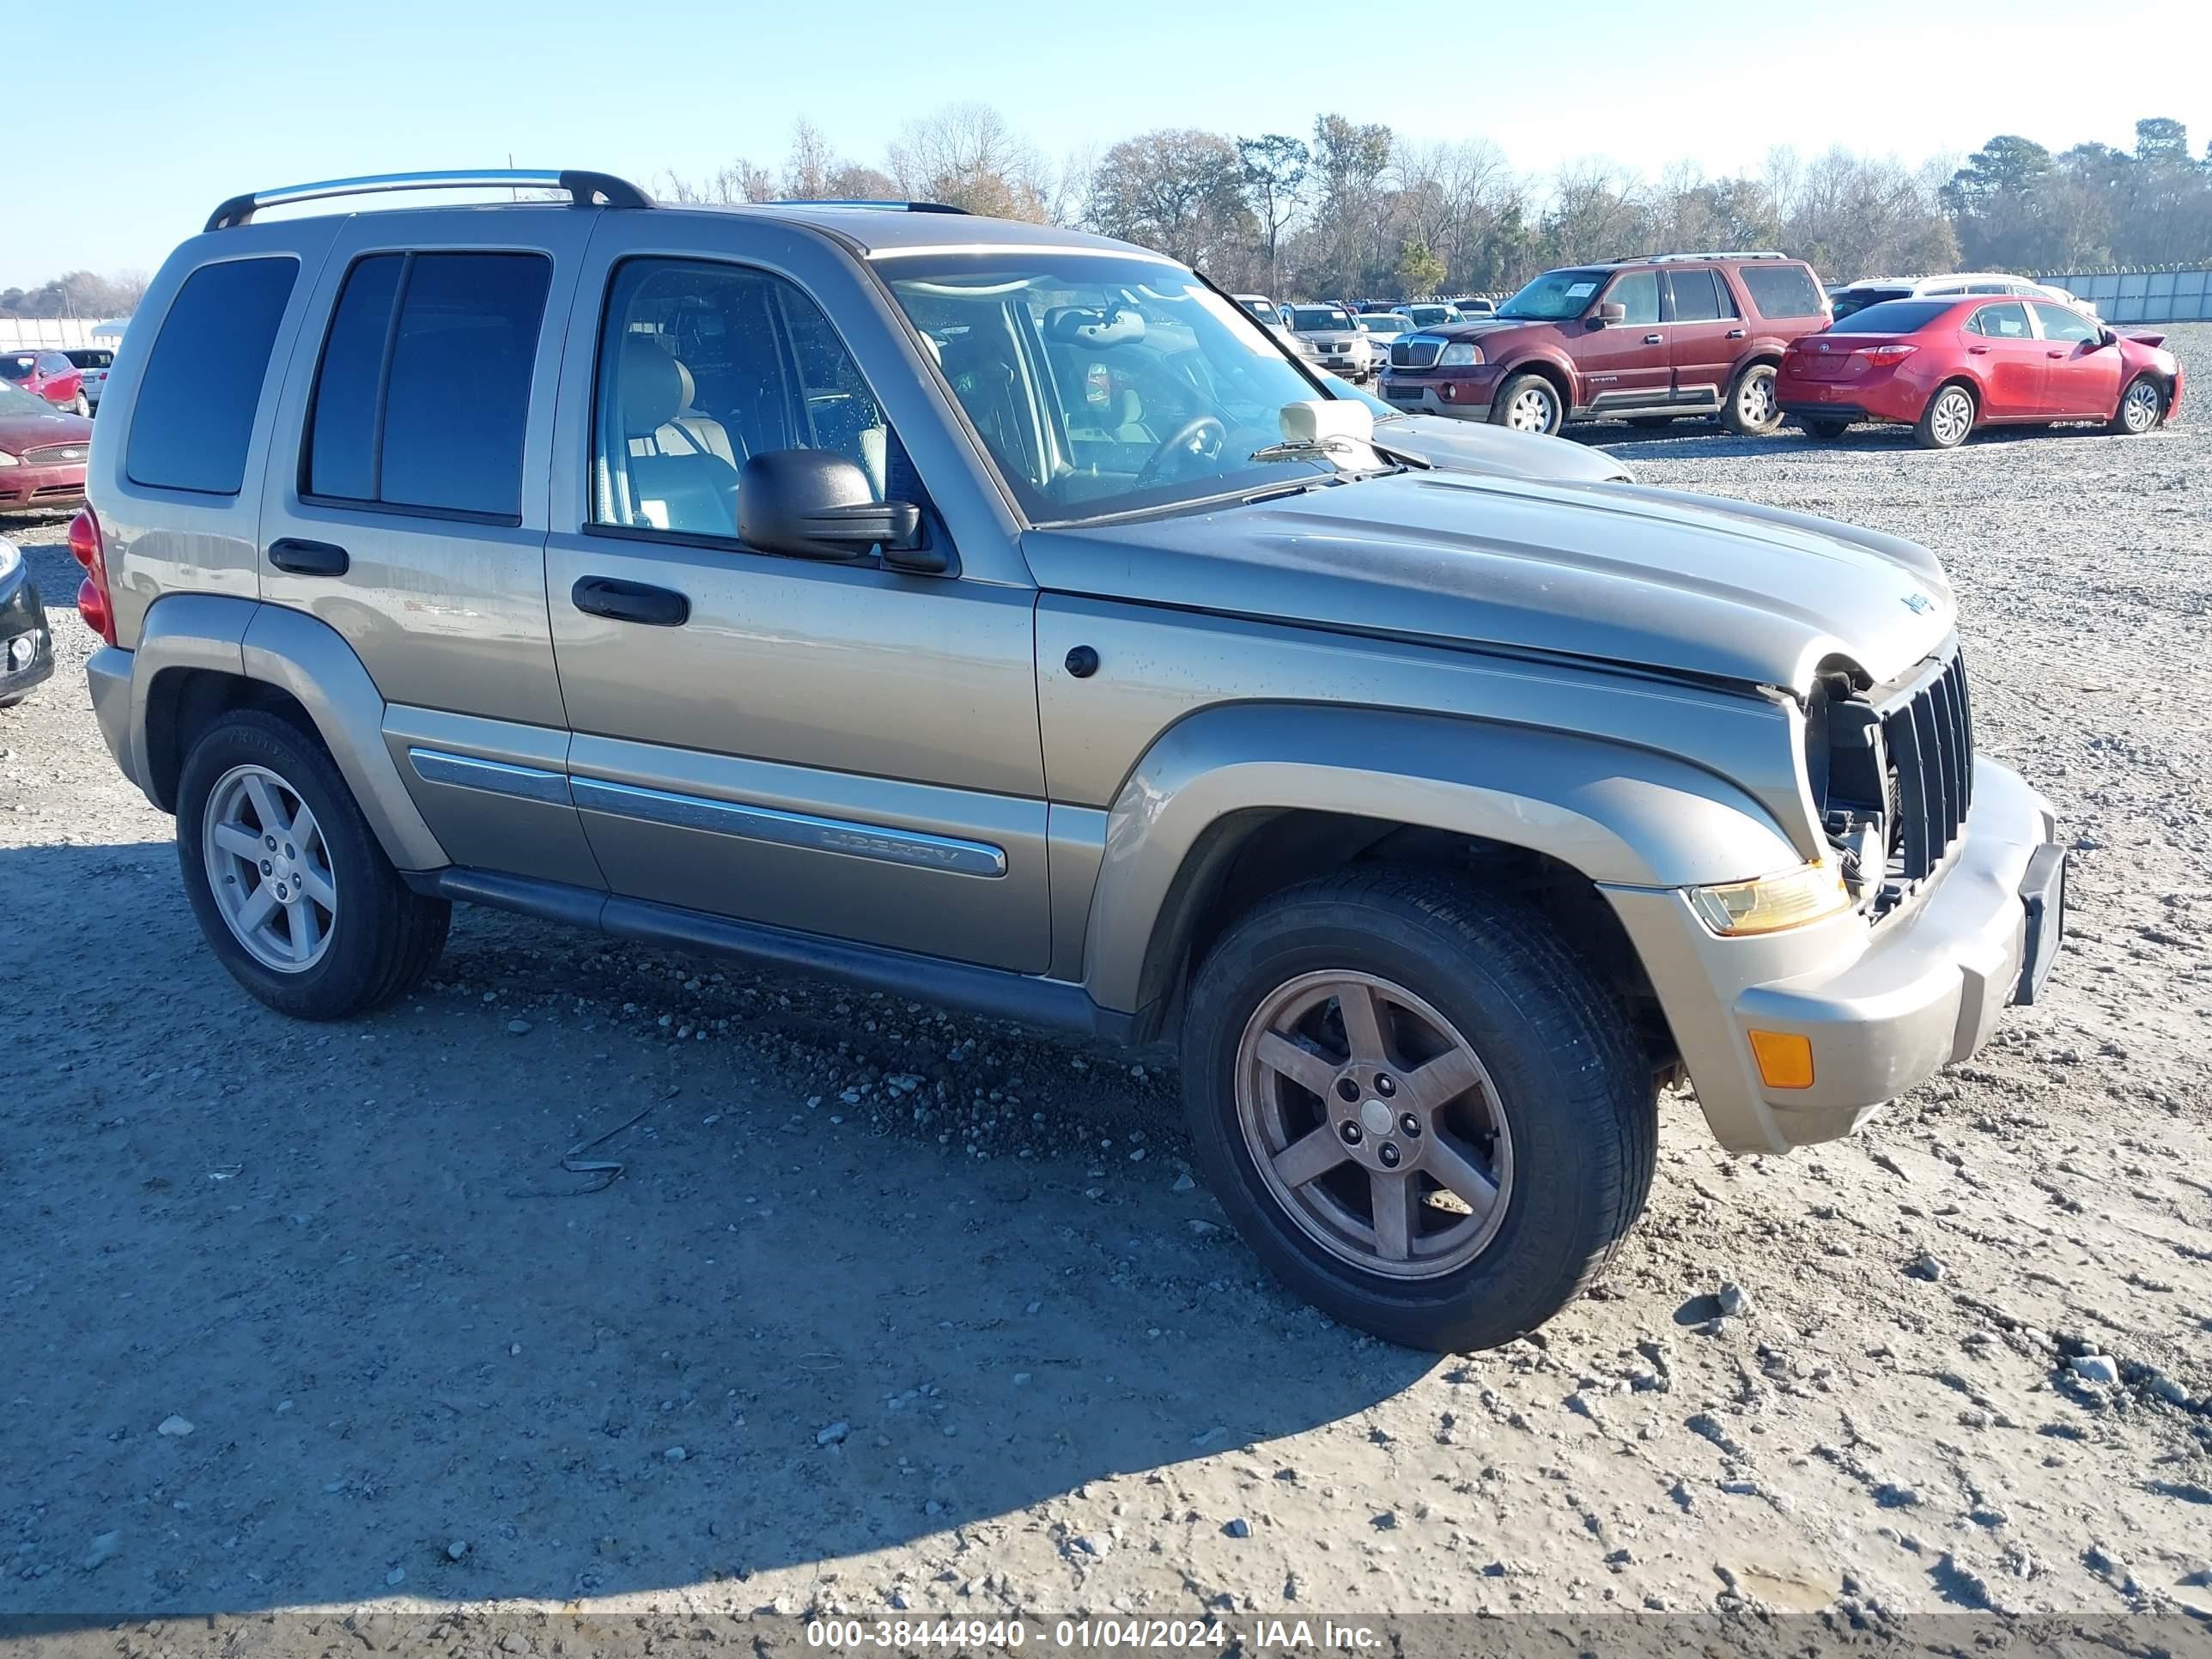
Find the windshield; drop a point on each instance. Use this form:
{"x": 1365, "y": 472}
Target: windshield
{"x": 1425, "y": 315}
{"x": 1555, "y": 296}
{"x": 14, "y": 400}
{"x": 1890, "y": 317}
{"x": 1385, "y": 325}
{"x": 1315, "y": 318}
{"x": 1263, "y": 309}
{"x": 1105, "y": 385}
{"x": 17, "y": 368}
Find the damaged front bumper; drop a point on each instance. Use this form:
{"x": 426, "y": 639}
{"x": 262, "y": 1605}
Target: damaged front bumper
{"x": 1883, "y": 1006}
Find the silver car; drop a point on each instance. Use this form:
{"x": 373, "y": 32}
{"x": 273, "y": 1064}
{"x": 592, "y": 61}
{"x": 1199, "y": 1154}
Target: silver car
{"x": 993, "y": 614}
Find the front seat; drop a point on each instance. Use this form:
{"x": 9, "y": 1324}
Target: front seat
{"x": 675, "y": 482}
{"x": 708, "y": 433}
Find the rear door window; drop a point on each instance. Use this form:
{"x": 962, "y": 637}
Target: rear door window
{"x": 197, "y": 400}
{"x": 2004, "y": 322}
{"x": 1699, "y": 297}
{"x": 1781, "y": 290}
{"x": 423, "y": 395}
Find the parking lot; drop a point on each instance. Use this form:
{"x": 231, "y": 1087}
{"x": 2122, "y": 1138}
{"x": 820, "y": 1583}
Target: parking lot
{"x": 892, "y": 1309}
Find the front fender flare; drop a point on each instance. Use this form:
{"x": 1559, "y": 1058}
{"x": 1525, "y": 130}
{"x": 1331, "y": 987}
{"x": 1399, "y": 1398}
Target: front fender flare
{"x": 1618, "y": 814}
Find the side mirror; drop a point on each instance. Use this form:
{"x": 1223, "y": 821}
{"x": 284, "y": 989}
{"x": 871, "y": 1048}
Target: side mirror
{"x": 2106, "y": 336}
{"x": 1607, "y": 314}
{"x": 810, "y": 504}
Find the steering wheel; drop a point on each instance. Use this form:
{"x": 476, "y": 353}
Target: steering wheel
{"x": 1202, "y": 434}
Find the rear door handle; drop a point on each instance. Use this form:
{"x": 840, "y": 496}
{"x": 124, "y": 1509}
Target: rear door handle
{"x": 304, "y": 558}
{"x": 1654, "y": 339}
{"x": 631, "y": 602}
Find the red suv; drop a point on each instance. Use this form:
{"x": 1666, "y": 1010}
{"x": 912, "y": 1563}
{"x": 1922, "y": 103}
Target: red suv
{"x": 47, "y": 374}
{"x": 1646, "y": 341}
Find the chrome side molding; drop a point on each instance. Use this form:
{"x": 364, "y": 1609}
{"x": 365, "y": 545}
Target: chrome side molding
{"x": 913, "y": 848}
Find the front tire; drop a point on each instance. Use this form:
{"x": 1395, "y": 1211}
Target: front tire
{"x": 1422, "y": 1111}
{"x": 291, "y": 890}
{"x": 1750, "y": 411}
{"x": 79, "y": 407}
{"x": 1949, "y": 419}
{"x": 2143, "y": 408}
{"x": 1529, "y": 403}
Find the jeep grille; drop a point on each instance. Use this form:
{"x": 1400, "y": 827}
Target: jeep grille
{"x": 1928, "y": 734}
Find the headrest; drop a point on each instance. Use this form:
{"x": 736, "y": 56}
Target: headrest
{"x": 690, "y": 386}
{"x": 653, "y": 386}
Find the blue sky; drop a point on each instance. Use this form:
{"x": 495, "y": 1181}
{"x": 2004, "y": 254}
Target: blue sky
{"x": 172, "y": 107}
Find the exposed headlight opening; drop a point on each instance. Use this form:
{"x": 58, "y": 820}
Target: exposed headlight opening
{"x": 1793, "y": 898}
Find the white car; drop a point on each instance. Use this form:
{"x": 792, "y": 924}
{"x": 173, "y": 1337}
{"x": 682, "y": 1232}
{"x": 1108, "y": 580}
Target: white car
{"x": 1381, "y": 328}
{"x": 1423, "y": 313}
{"x": 1337, "y": 342}
{"x": 1873, "y": 290}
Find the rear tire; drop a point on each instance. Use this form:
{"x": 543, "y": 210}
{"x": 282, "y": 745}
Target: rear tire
{"x": 1529, "y": 403}
{"x": 1749, "y": 410}
{"x": 1827, "y": 431}
{"x": 1949, "y": 419}
{"x": 1550, "y": 1100}
{"x": 79, "y": 407}
{"x": 2143, "y": 408}
{"x": 373, "y": 940}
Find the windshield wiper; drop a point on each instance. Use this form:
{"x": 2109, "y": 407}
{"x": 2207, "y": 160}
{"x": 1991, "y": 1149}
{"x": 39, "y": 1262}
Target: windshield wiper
{"x": 1306, "y": 449}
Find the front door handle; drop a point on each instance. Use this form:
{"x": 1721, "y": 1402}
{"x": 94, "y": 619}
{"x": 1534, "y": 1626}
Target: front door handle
{"x": 1654, "y": 339}
{"x": 1736, "y": 334}
{"x": 304, "y": 558}
{"x": 631, "y": 602}
{"x": 1977, "y": 351}
{"x": 2054, "y": 354}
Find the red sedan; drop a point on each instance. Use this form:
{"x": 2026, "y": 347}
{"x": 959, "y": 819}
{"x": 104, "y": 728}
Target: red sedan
{"x": 42, "y": 453}
{"x": 1946, "y": 367}
{"x": 46, "y": 373}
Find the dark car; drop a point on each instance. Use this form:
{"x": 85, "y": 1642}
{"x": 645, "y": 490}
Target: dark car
{"x": 26, "y": 644}
{"x": 48, "y": 373}
{"x": 1646, "y": 340}
{"x": 42, "y": 453}
{"x": 94, "y": 363}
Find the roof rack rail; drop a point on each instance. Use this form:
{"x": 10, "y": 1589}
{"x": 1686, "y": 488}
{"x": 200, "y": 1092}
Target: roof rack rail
{"x": 586, "y": 189}
{"x": 1721, "y": 253}
{"x": 864, "y": 201}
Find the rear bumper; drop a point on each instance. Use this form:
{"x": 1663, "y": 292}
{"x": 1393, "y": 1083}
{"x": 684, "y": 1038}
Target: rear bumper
{"x": 108, "y": 674}
{"x": 24, "y": 488}
{"x": 1884, "y": 1008}
{"x": 1883, "y": 396}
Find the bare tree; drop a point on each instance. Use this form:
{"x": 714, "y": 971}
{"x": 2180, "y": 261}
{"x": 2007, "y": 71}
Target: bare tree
{"x": 1179, "y": 190}
{"x": 1274, "y": 169}
{"x": 965, "y": 155}
{"x": 740, "y": 181}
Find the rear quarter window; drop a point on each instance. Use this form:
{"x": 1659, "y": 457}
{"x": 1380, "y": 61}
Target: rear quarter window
{"x": 197, "y": 400}
{"x": 1780, "y": 290}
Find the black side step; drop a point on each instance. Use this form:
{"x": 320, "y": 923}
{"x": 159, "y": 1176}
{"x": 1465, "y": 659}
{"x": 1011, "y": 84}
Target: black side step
{"x": 992, "y": 992}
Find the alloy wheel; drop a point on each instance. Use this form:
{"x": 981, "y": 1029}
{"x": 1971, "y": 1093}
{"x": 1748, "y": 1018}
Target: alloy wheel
{"x": 269, "y": 869}
{"x": 1531, "y": 411}
{"x": 1953, "y": 417}
{"x": 2140, "y": 409}
{"x": 1374, "y": 1124}
{"x": 1755, "y": 398}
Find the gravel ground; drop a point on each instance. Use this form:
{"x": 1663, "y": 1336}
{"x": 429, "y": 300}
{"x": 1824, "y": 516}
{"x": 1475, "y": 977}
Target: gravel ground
{"x": 894, "y": 1309}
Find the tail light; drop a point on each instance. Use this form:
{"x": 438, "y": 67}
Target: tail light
{"x": 1883, "y": 355}
{"x": 89, "y": 548}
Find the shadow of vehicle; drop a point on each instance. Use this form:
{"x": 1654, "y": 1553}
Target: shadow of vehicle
{"x": 331, "y": 1260}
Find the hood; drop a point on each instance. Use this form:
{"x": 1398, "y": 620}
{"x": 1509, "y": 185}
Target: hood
{"x": 1479, "y": 446}
{"x": 20, "y": 431}
{"x": 1660, "y": 579}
